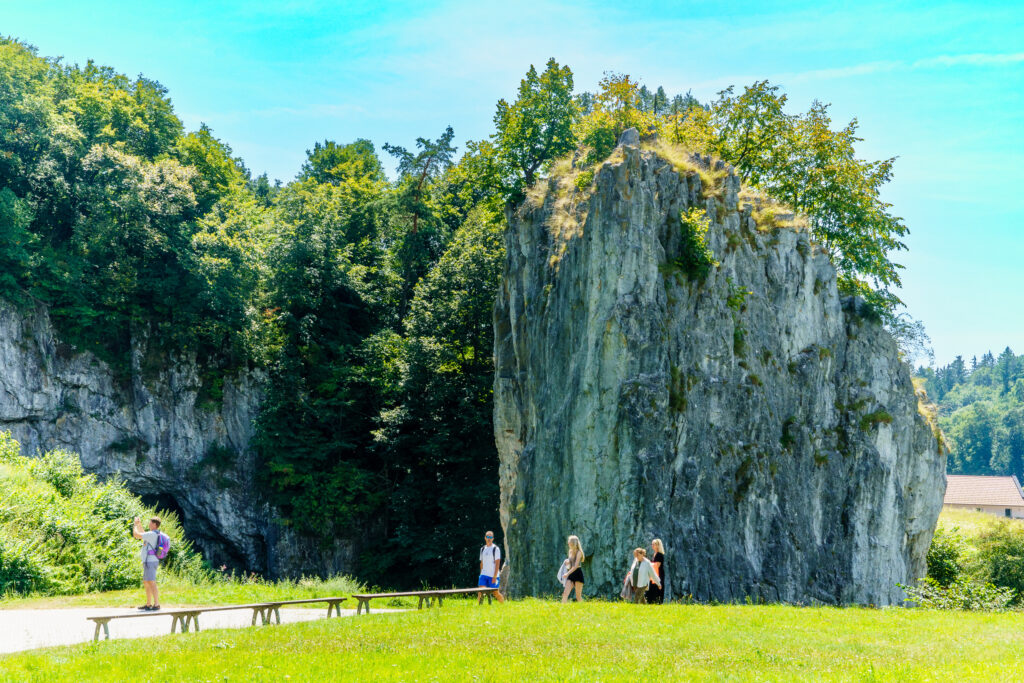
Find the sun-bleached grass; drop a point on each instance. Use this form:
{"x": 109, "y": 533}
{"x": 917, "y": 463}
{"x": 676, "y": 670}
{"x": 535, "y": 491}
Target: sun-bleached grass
{"x": 971, "y": 523}
{"x": 682, "y": 161}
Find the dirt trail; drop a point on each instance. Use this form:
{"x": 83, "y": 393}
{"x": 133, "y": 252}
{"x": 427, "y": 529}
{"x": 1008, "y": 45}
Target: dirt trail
{"x": 26, "y": 629}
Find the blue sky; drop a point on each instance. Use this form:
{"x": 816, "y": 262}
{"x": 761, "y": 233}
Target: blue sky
{"x": 940, "y": 85}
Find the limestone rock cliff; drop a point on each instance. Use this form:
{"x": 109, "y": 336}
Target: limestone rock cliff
{"x": 764, "y": 428}
{"x": 152, "y": 430}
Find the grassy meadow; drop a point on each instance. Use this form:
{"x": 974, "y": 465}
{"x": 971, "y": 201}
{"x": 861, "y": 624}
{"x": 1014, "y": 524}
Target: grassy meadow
{"x": 537, "y": 640}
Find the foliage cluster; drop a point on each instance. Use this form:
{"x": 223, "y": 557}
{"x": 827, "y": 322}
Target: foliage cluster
{"x": 62, "y": 532}
{"x": 981, "y": 412}
{"x": 695, "y": 256}
{"x": 980, "y": 566}
{"x": 959, "y": 595}
{"x": 120, "y": 222}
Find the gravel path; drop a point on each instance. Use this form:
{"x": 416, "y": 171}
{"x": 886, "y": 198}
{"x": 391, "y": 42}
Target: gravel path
{"x": 25, "y": 629}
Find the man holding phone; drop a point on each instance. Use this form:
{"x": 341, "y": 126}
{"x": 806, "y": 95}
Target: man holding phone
{"x": 150, "y": 543}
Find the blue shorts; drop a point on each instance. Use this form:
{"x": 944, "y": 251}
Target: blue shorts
{"x": 488, "y": 581}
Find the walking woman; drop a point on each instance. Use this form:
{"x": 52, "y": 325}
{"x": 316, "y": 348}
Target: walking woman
{"x": 656, "y": 593}
{"x": 574, "y": 578}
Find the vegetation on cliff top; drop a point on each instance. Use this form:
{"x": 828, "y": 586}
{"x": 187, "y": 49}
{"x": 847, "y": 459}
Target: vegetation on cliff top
{"x": 366, "y": 299}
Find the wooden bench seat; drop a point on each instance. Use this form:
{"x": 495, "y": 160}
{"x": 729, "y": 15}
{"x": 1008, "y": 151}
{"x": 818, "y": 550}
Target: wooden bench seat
{"x": 425, "y": 595}
{"x": 188, "y": 617}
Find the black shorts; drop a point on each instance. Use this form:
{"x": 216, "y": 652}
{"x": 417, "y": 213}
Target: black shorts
{"x": 576, "y": 576}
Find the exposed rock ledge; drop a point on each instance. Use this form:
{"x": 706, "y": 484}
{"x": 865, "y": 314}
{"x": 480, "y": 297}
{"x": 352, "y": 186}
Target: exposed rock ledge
{"x": 775, "y": 445}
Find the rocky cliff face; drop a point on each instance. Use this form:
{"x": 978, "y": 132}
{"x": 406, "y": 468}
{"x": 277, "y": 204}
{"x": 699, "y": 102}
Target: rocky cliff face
{"x": 152, "y": 431}
{"x": 754, "y": 421}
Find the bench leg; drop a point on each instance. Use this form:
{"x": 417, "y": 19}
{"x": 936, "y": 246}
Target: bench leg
{"x": 438, "y": 600}
{"x": 96, "y": 635}
{"x": 277, "y": 615}
{"x": 489, "y": 596}
{"x": 364, "y": 605}
{"x": 175, "y": 619}
{"x": 195, "y": 623}
{"x": 255, "y": 612}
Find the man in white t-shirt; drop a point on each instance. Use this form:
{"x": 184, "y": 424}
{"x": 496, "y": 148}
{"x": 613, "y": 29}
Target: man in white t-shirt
{"x": 490, "y": 567}
{"x": 150, "y": 539}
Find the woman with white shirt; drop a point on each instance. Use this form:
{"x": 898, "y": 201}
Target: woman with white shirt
{"x": 641, "y": 574}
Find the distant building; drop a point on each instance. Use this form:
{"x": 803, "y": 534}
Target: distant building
{"x": 996, "y": 495}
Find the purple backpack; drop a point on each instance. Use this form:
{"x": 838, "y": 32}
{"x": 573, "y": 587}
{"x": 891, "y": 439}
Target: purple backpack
{"x": 163, "y": 546}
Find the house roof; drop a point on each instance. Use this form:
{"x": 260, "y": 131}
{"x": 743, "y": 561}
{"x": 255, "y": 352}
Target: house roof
{"x": 964, "y": 489}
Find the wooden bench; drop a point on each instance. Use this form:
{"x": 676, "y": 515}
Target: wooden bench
{"x": 424, "y": 595}
{"x": 189, "y": 616}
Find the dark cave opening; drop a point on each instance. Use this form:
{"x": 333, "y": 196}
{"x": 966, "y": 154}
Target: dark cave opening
{"x": 209, "y": 541}
{"x": 165, "y": 502}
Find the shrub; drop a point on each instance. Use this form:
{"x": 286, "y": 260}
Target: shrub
{"x": 695, "y": 258}
{"x": 1000, "y": 557}
{"x": 736, "y": 299}
{"x": 874, "y": 418}
{"x": 962, "y": 594}
{"x": 584, "y": 179}
{"x": 947, "y": 556}
{"x": 63, "y": 532}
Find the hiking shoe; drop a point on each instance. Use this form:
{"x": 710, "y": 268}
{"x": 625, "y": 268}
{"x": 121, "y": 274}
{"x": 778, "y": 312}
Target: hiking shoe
{"x": 144, "y": 608}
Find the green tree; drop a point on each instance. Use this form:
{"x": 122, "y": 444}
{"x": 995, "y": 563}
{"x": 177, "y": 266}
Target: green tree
{"x": 417, "y": 173}
{"x": 313, "y": 428}
{"x": 537, "y": 128}
{"x": 439, "y": 438}
{"x": 217, "y": 172}
{"x": 337, "y": 164}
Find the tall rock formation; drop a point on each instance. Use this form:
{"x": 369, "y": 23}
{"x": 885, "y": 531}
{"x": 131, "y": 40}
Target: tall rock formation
{"x": 764, "y": 428}
{"x": 152, "y": 430}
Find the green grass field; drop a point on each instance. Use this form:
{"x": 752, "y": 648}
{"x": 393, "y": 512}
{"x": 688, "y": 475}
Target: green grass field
{"x": 543, "y": 640}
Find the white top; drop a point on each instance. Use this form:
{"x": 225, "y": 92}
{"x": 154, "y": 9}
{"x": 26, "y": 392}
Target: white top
{"x": 149, "y": 541}
{"x": 647, "y": 574}
{"x": 488, "y": 556}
